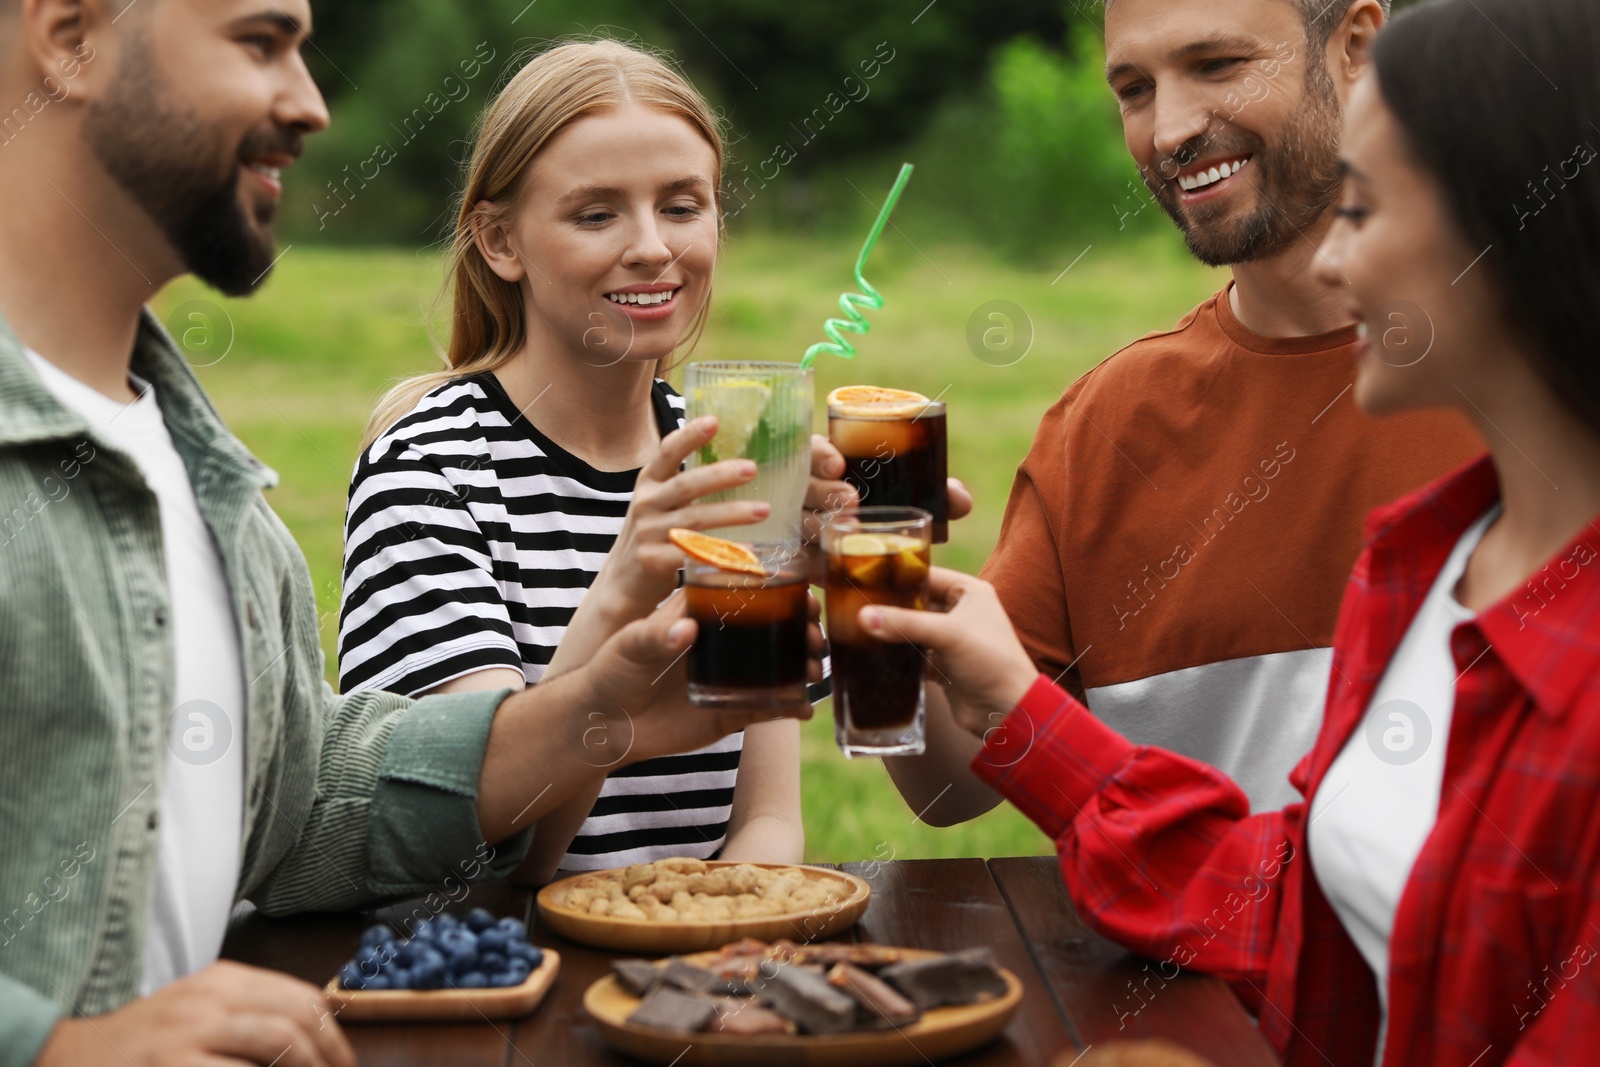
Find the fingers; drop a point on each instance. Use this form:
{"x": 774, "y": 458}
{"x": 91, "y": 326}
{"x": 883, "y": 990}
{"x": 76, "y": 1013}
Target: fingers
{"x": 725, "y": 513}
{"x": 826, "y": 491}
{"x": 256, "y": 1037}
{"x": 827, "y": 462}
{"x": 960, "y": 498}
{"x": 898, "y": 626}
{"x": 679, "y": 489}
{"x": 282, "y": 1014}
{"x": 677, "y": 447}
{"x": 948, "y": 586}
{"x": 830, "y": 494}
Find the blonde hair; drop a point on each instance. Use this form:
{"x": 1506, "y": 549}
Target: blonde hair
{"x": 555, "y": 89}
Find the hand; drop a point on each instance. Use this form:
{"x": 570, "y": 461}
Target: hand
{"x": 641, "y": 707}
{"x": 642, "y": 567}
{"x": 828, "y": 493}
{"x": 976, "y": 652}
{"x": 226, "y": 1015}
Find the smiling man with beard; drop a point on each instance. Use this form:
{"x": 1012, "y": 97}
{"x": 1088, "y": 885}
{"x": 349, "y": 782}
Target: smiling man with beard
{"x": 171, "y": 746}
{"x": 1178, "y": 538}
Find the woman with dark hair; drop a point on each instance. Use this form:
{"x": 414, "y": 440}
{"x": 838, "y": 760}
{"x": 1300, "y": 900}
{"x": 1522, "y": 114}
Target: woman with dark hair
{"x": 1435, "y": 898}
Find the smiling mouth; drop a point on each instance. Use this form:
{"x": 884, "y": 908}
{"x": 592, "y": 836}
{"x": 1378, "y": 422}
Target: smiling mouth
{"x": 1193, "y": 183}
{"x": 643, "y": 299}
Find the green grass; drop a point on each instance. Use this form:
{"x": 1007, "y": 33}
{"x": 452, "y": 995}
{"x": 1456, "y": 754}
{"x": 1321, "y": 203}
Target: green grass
{"x": 333, "y": 328}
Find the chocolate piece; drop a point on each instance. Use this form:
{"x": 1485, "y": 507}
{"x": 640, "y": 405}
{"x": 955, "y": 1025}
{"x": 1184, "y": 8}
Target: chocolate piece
{"x": 636, "y": 976}
{"x": 688, "y": 977}
{"x": 808, "y": 999}
{"x": 692, "y": 979}
{"x": 877, "y": 1000}
{"x": 957, "y": 978}
{"x": 749, "y": 1019}
{"x": 870, "y": 957}
{"x": 677, "y": 1013}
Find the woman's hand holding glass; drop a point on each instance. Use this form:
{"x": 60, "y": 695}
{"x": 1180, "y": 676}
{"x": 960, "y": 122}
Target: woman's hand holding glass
{"x": 975, "y": 651}
{"x": 642, "y": 569}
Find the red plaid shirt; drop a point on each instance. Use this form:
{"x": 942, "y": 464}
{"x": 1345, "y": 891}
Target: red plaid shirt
{"x": 1493, "y": 959}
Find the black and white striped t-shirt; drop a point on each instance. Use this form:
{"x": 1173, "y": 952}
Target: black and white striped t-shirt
{"x": 470, "y": 537}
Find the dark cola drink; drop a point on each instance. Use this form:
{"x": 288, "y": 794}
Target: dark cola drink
{"x": 894, "y": 449}
{"x": 876, "y": 556}
{"x": 750, "y": 650}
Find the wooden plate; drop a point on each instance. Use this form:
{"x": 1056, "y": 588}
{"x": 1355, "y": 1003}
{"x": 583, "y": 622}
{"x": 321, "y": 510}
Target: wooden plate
{"x": 409, "y": 1005}
{"x": 645, "y": 935}
{"x": 939, "y": 1034}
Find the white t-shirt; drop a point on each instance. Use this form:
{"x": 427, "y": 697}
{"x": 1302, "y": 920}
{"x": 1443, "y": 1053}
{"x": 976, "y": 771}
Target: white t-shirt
{"x": 1378, "y": 803}
{"x": 202, "y": 796}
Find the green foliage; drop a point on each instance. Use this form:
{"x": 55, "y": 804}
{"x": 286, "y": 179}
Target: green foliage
{"x": 1037, "y": 164}
{"x": 816, "y": 84}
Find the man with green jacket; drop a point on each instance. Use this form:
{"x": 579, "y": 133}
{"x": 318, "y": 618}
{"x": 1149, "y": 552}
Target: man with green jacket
{"x": 170, "y": 744}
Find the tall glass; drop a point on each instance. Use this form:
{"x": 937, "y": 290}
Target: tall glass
{"x": 895, "y": 454}
{"x": 876, "y": 555}
{"x": 764, "y": 414}
{"x": 750, "y": 653}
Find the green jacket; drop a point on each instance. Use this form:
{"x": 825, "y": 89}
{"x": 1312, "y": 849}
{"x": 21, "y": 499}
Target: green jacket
{"x": 347, "y": 799}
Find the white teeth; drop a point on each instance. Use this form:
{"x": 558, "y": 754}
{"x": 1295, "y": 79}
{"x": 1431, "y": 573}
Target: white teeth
{"x": 642, "y": 299}
{"x": 262, "y": 168}
{"x": 1361, "y": 330}
{"x": 1189, "y": 183}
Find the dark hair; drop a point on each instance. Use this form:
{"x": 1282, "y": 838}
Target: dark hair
{"x": 1497, "y": 99}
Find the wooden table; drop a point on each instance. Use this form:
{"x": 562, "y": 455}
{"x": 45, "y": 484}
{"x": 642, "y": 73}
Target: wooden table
{"x": 1081, "y": 990}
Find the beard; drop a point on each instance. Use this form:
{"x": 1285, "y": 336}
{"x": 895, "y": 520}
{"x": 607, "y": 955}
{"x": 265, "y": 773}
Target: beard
{"x": 153, "y": 148}
{"x": 1296, "y": 178}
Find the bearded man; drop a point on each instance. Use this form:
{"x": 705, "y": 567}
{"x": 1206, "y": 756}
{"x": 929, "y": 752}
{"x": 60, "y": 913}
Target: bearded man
{"x": 1178, "y": 539}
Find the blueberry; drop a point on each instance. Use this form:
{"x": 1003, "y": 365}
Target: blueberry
{"x": 377, "y": 981}
{"x": 479, "y": 919}
{"x": 521, "y": 950}
{"x": 405, "y": 953}
{"x": 350, "y": 976}
{"x": 428, "y": 973}
{"x": 504, "y": 979}
{"x": 375, "y": 955}
{"x": 519, "y": 967}
{"x": 445, "y": 921}
{"x": 490, "y": 962}
{"x": 460, "y": 957}
{"x": 471, "y": 980}
{"x": 493, "y": 939}
{"x": 380, "y": 934}
{"x": 515, "y": 929}
{"x": 399, "y": 977}
{"x": 424, "y": 931}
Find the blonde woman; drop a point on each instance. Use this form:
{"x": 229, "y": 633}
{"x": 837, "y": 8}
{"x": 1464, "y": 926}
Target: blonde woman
{"x": 508, "y": 513}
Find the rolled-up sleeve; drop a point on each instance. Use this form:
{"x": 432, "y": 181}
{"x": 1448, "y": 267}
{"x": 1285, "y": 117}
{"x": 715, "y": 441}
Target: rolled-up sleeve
{"x": 424, "y": 808}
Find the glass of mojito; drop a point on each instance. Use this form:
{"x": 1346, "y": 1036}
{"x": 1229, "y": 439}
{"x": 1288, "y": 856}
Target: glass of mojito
{"x": 763, "y": 414}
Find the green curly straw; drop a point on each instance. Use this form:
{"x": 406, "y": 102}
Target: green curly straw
{"x": 868, "y": 297}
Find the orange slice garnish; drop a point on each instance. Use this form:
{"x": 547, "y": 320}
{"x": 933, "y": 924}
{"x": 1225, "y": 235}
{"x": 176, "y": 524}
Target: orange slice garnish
{"x": 723, "y": 555}
{"x": 876, "y": 400}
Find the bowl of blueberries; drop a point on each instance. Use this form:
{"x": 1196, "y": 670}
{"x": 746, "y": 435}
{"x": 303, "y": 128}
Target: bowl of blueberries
{"x": 447, "y": 967}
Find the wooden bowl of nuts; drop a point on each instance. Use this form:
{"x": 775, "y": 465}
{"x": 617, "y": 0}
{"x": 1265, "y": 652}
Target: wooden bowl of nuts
{"x": 689, "y": 905}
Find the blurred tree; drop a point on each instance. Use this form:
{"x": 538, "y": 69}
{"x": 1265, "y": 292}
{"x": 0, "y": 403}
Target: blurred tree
{"x": 803, "y": 86}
